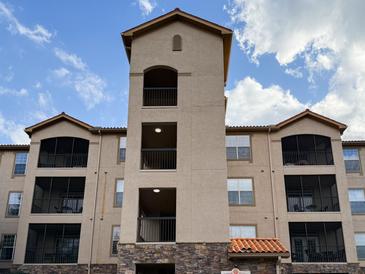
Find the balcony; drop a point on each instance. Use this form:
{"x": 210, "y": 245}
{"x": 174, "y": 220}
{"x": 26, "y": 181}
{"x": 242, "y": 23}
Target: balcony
{"x": 63, "y": 152}
{"x": 157, "y": 217}
{"x": 58, "y": 195}
{"x": 307, "y": 150}
{"x": 52, "y": 243}
{"x": 311, "y": 193}
{"x": 160, "y": 87}
{"x": 158, "y": 146}
{"x": 317, "y": 242}
{"x": 160, "y": 96}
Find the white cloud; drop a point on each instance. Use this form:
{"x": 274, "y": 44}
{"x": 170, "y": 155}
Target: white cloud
{"x": 13, "y": 131}
{"x": 8, "y": 75}
{"x": 146, "y": 6}
{"x": 70, "y": 59}
{"x": 45, "y": 106}
{"x": 38, "y": 34}
{"x": 294, "y": 72}
{"x": 61, "y": 72}
{"x": 250, "y": 103}
{"x": 13, "y": 92}
{"x": 328, "y": 35}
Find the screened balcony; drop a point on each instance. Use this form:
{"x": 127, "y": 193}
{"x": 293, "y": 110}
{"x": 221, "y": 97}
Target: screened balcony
{"x": 158, "y": 146}
{"x": 52, "y": 243}
{"x": 58, "y": 195}
{"x": 311, "y": 193}
{"x": 155, "y": 269}
{"x": 160, "y": 87}
{"x": 317, "y": 242}
{"x": 63, "y": 152}
{"x": 307, "y": 150}
{"x": 157, "y": 215}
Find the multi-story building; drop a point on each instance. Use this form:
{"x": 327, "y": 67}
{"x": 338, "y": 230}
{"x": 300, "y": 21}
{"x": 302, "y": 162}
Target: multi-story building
{"x": 180, "y": 192}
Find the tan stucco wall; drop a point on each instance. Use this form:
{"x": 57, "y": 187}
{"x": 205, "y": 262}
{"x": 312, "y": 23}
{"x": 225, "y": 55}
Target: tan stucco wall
{"x": 106, "y": 214}
{"x": 200, "y": 178}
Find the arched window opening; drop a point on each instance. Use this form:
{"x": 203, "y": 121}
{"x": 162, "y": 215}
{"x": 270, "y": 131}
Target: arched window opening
{"x": 63, "y": 152}
{"x": 160, "y": 87}
{"x": 307, "y": 149}
{"x": 177, "y": 43}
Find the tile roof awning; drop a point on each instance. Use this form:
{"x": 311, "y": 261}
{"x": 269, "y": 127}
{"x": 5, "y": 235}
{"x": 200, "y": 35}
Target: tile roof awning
{"x": 260, "y": 247}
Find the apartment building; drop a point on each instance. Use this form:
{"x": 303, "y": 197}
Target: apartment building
{"x": 180, "y": 192}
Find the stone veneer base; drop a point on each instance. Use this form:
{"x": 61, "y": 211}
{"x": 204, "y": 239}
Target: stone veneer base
{"x": 189, "y": 258}
{"x": 67, "y": 268}
{"x": 348, "y": 268}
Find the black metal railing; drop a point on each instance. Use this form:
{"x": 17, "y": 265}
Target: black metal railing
{"x": 63, "y": 160}
{"x": 158, "y": 158}
{"x": 320, "y": 254}
{"x": 58, "y": 205}
{"x": 160, "y": 96}
{"x": 308, "y": 158}
{"x": 358, "y": 207}
{"x": 50, "y": 256}
{"x": 156, "y": 229}
{"x": 305, "y": 204}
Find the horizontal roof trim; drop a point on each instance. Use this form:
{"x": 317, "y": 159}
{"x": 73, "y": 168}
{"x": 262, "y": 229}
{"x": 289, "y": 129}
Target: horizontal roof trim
{"x": 8, "y": 147}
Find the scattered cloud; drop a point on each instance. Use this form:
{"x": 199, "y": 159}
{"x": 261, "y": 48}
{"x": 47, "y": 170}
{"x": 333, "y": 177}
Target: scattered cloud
{"x": 146, "y": 6}
{"x": 327, "y": 35}
{"x": 70, "y": 59}
{"x": 251, "y": 103}
{"x": 61, "y": 72}
{"x": 45, "y": 106}
{"x": 7, "y": 75}
{"x": 38, "y": 85}
{"x": 13, "y": 131}
{"x": 38, "y": 34}
{"x": 14, "y": 92}
{"x": 296, "y": 73}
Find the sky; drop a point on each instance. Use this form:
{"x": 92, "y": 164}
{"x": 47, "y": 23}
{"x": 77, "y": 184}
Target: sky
{"x": 286, "y": 56}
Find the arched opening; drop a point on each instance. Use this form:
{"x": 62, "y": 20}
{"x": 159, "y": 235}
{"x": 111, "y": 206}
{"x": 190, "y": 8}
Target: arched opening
{"x": 160, "y": 87}
{"x": 63, "y": 152}
{"x": 177, "y": 43}
{"x": 307, "y": 149}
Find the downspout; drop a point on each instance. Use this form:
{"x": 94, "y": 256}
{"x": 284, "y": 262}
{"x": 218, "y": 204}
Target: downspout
{"x": 278, "y": 262}
{"x": 94, "y": 210}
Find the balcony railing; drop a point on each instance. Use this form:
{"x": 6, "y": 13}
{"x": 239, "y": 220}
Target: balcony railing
{"x": 320, "y": 254}
{"x": 58, "y": 205}
{"x": 50, "y": 256}
{"x": 62, "y": 160}
{"x": 358, "y": 207}
{"x": 156, "y": 229}
{"x": 158, "y": 158}
{"x": 160, "y": 96}
{"x": 322, "y": 204}
{"x": 307, "y": 158}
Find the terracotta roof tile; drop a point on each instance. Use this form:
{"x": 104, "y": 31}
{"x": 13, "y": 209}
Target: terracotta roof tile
{"x": 257, "y": 246}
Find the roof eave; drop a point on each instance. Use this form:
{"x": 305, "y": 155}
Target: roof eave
{"x": 243, "y": 255}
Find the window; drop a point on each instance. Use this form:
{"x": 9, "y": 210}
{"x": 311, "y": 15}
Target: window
{"x": 20, "y": 163}
{"x": 240, "y": 191}
{"x": 122, "y": 148}
{"x": 115, "y": 239}
{"x": 357, "y": 200}
{"x": 360, "y": 245}
{"x": 176, "y": 43}
{"x": 119, "y": 189}
{"x": 247, "y": 231}
{"x": 238, "y": 147}
{"x": 7, "y": 247}
{"x": 352, "y": 160}
{"x": 14, "y": 202}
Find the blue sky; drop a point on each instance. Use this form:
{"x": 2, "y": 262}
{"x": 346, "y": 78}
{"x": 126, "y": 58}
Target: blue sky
{"x": 68, "y": 56}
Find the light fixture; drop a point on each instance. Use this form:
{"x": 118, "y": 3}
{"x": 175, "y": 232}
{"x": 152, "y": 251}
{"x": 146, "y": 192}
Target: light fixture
{"x": 158, "y": 130}
{"x": 156, "y": 190}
